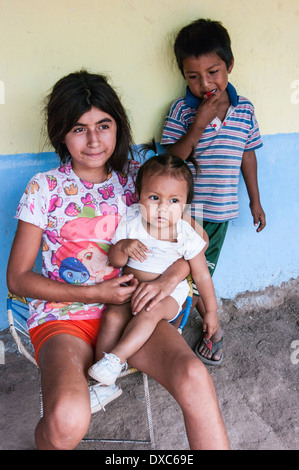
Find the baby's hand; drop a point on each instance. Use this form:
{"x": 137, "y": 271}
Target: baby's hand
{"x": 135, "y": 249}
{"x": 210, "y": 324}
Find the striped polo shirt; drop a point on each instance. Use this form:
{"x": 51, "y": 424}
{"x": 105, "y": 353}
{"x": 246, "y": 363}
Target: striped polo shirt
{"x": 219, "y": 152}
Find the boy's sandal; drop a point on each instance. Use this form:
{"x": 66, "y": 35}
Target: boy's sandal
{"x": 212, "y": 346}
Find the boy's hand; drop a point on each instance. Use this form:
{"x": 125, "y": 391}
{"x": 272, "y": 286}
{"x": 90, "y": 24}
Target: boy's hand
{"x": 135, "y": 249}
{"x": 259, "y": 217}
{"x": 210, "y": 324}
{"x": 206, "y": 112}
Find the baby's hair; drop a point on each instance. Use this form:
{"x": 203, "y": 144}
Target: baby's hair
{"x": 74, "y": 95}
{"x": 166, "y": 164}
{"x": 202, "y": 37}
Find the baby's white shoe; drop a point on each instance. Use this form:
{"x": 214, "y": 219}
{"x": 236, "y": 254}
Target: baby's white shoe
{"x": 100, "y": 395}
{"x": 107, "y": 369}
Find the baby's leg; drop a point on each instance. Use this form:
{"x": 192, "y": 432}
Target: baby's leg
{"x": 141, "y": 326}
{"x": 113, "y": 324}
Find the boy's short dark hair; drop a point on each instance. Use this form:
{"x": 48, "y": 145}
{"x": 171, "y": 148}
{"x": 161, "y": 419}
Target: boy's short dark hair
{"x": 203, "y": 37}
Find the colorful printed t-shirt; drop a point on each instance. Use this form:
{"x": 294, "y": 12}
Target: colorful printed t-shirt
{"x": 219, "y": 152}
{"x": 78, "y": 221}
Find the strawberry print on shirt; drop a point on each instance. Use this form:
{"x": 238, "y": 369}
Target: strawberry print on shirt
{"x": 78, "y": 220}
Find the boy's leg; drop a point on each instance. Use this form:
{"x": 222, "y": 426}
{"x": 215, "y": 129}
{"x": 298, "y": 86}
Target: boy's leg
{"x": 168, "y": 359}
{"x": 113, "y": 324}
{"x": 216, "y": 233}
{"x": 63, "y": 361}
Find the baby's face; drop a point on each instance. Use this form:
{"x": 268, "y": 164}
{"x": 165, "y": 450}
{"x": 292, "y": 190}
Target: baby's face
{"x": 162, "y": 200}
{"x": 207, "y": 74}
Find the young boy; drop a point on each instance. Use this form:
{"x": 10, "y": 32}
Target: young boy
{"x": 222, "y": 128}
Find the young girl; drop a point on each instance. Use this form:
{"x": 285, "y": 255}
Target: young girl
{"x": 147, "y": 241}
{"x": 73, "y": 212}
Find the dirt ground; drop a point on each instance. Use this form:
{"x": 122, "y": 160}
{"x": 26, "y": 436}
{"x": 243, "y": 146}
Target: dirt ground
{"x": 257, "y": 385}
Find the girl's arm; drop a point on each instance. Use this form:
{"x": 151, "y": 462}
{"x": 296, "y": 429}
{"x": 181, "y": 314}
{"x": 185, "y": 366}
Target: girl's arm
{"x": 249, "y": 171}
{"x": 21, "y": 279}
{"x": 152, "y": 292}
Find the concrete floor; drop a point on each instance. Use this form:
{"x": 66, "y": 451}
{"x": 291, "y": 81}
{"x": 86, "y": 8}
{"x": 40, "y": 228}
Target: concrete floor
{"x": 257, "y": 385}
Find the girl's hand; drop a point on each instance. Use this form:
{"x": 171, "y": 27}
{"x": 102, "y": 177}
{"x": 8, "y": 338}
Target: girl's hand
{"x": 150, "y": 293}
{"x": 259, "y": 217}
{"x": 134, "y": 249}
{"x": 210, "y": 324}
{"x": 116, "y": 291}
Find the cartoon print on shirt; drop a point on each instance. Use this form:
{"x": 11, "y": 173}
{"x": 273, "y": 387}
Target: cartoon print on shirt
{"x": 55, "y": 201}
{"x": 32, "y": 187}
{"x": 70, "y": 187}
{"x": 52, "y": 182}
{"x": 79, "y": 259}
{"x": 129, "y": 198}
{"x": 122, "y": 178}
{"x": 73, "y": 271}
{"x": 108, "y": 209}
{"x": 78, "y": 219}
{"x": 88, "y": 201}
{"x": 107, "y": 191}
{"x": 72, "y": 210}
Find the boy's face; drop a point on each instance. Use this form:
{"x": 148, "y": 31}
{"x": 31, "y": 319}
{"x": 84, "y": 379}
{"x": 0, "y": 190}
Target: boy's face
{"x": 206, "y": 74}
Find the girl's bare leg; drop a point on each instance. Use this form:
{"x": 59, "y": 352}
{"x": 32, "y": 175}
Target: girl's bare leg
{"x": 63, "y": 362}
{"x": 168, "y": 359}
{"x": 113, "y": 324}
{"x": 141, "y": 326}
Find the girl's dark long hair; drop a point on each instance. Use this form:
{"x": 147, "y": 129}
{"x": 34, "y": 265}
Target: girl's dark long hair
{"x": 74, "y": 95}
{"x": 166, "y": 163}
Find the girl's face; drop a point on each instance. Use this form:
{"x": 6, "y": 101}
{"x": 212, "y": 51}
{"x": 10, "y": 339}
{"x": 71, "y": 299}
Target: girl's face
{"x": 91, "y": 142}
{"x": 162, "y": 201}
{"x": 206, "y": 74}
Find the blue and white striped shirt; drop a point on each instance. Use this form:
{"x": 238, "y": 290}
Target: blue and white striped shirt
{"x": 219, "y": 152}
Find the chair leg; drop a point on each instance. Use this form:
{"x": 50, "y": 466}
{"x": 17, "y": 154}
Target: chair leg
{"x": 41, "y": 408}
{"x": 151, "y": 440}
{"x": 149, "y": 411}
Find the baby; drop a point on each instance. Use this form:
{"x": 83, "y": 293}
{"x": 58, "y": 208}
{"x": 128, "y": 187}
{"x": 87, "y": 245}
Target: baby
{"x": 147, "y": 241}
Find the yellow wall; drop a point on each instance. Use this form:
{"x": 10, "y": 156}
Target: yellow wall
{"x": 131, "y": 41}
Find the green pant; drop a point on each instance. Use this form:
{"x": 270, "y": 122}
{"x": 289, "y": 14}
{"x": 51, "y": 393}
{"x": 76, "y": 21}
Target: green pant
{"x": 216, "y": 233}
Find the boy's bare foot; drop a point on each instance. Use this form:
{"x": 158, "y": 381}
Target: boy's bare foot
{"x": 204, "y": 347}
